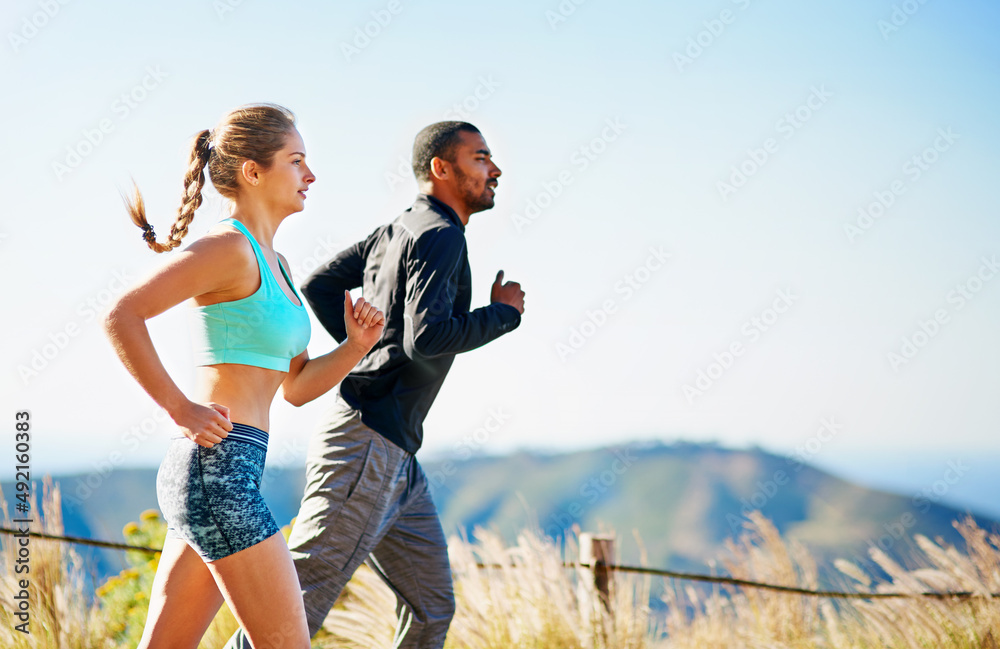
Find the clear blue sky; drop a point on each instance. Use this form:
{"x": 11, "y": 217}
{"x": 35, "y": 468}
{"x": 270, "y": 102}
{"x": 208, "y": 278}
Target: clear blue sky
{"x": 626, "y": 126}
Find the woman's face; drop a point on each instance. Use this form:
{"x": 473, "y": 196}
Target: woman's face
{"x": 285, "y": 183}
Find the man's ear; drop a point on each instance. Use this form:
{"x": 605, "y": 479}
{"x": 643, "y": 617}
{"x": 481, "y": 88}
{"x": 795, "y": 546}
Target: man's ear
{"x": 249, "y": 171}
{"x": 440, "y": 168}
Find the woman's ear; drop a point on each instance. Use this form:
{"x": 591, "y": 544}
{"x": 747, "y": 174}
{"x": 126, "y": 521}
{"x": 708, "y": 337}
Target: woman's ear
{"x": 249, "y": 172}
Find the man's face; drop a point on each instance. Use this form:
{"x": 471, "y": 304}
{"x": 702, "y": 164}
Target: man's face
{"x": 475, "y": 173}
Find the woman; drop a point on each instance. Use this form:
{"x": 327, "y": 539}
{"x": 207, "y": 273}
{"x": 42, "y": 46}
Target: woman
{"x": 251, "y": 330}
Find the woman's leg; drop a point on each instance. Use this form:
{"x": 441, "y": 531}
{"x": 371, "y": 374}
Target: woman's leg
{"x": 183, "y": 602}
{"x": 212, "y": 496}
{"x": 262, "y": 589}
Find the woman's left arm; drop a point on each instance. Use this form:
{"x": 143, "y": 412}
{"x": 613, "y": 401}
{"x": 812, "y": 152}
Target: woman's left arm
{"x": 309, "y": 378}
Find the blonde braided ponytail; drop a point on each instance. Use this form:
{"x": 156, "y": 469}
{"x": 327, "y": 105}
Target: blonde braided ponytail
{"x": 194, "y": 181}
{"x": 252, "y": 132}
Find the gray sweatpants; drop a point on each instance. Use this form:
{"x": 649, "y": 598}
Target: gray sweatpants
{"x": 366, "y": 496}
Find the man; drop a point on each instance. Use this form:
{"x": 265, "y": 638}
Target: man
{"x": 366, "y": 495}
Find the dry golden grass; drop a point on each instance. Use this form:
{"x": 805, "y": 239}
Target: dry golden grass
{"x": 531, "y": 601}
{"x": 767, "y": 620}
{"x": 60, "y": 615}
{"x": 526, "y": 598}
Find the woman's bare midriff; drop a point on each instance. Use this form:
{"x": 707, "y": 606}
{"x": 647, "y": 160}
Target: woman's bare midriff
{"x": 246, "y": 390}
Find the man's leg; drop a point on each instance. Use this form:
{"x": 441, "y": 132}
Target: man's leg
{"x": 350, "y": 471}
{"x": 412, "y": 559}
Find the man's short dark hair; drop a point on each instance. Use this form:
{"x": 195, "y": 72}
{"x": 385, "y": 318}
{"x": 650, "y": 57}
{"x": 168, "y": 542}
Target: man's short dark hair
{"x": 437, "y": 141}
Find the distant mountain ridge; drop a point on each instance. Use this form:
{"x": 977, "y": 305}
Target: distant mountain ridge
{"x": 683, "y": 500}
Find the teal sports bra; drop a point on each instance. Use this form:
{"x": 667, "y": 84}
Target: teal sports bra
{"x": 265, "y": 329}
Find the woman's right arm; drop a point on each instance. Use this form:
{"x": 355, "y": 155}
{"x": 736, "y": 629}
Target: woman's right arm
{"x": 213, "y": 264}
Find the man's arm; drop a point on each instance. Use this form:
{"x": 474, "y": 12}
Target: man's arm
{"x": 324, "y": 289}
{"x": 309, "y": 378}
{"x": 429, "y": 328}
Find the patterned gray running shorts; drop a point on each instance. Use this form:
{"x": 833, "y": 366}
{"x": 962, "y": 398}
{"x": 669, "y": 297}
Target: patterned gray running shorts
{"x": 210, "y": 497}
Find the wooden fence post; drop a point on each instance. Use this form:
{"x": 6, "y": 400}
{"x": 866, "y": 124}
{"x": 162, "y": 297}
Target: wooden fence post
{"x": 597, "y": 552}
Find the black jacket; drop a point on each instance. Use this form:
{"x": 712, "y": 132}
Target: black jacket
{"x": 416, "y": 270}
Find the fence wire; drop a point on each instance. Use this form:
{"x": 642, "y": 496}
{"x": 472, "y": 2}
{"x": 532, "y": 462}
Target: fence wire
{"x": 672, "y": 574}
